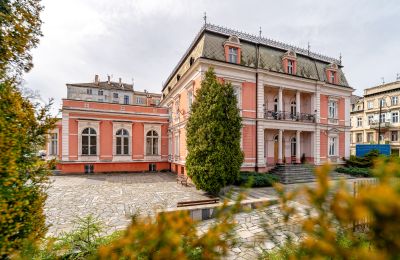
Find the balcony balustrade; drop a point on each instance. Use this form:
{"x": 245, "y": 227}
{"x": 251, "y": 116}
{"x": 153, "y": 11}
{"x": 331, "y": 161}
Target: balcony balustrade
{"x": 289, "y": 116}
{"x": 375, "y": 125}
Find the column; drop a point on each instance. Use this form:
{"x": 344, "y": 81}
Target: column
{"x": 280, "y": 150}
{"x": 298, "y": 146}
{"x": 260, "y": 146}
{"x": 298, "y": 103}
{"x": 280, "y": 100}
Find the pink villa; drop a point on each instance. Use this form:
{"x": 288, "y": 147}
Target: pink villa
{"x": 295, "y": 106}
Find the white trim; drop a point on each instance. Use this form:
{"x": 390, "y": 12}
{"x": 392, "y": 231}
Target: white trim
{"x": 82, "y": 124}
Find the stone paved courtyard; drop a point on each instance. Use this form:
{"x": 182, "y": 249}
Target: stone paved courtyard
{"x": 113, "y": 198}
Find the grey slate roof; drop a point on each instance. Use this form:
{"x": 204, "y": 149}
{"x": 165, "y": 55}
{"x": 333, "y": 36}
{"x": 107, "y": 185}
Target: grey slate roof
{"x": 209, "y": 44}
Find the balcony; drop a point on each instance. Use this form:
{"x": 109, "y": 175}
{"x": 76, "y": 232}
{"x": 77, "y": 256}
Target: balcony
{"x": 384, "y": 125}
{"x": 288, "y": 116}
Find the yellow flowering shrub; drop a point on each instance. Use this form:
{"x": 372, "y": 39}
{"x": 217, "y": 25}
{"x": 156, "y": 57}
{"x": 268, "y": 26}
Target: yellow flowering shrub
{"x": 174, "y": 235}
{"x": 342, "y": 224}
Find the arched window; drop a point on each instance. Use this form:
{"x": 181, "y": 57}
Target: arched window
{"x": 275, "y": 104}
{"x": 276, "y": 138}
{"x": 152, "y": 143}
{"x": 89, "y": 141}
{"x": 122, "y": 142}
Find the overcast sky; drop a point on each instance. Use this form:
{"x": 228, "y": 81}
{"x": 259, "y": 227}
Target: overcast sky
{"x": 143, "y": 39}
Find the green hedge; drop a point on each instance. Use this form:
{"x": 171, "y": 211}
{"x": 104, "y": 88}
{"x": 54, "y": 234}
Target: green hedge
{"x": 256, "y": 179}
{"x": 355, "y": 171}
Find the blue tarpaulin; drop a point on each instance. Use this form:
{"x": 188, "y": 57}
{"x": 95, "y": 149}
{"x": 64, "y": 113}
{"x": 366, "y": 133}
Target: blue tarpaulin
{"x": 362, "y": 149}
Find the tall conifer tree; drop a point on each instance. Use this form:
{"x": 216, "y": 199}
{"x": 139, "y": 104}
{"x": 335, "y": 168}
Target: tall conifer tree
{"x": 213, "y": 136}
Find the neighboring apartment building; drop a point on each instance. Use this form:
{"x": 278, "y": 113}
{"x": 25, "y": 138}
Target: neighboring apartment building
{"x": 365, "y": 119}
{"x": 294, "y": 103}
{"x": 109, "y": 127}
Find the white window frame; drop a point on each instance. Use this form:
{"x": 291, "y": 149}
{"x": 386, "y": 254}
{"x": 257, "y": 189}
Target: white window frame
{"x": 115, "y": 95}
{"x": 394, "y": 100}
{"x": 361, "y": 139}
{"x": 332, "y": 75}
{"x": 89, "y": 91}
{"x": 332, "y": 109}
{"x": 382, "y": 102}
{"x": 190, "y": 99}
{"x": 82, "y": 124}
{"x": 124, "y": 138}
{"x": 395, "y": 117}
{"x": 53, "y": 144}
{"x": 100, "y": 92}
{"x": 359, "y": 122}
{"x": 370, "y": 134}
{"x": 370, "y": 104}
{"x": 382, "y": 118}
{"x": 333, "y": 146}
{"x": 233, "y": 54}
{"x": 290, "y": 66}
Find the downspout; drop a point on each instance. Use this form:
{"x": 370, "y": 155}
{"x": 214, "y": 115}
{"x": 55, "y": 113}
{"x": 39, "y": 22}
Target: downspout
{"x": 257, "y": 55}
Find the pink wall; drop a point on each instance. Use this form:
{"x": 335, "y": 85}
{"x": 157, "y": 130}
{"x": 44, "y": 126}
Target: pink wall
{"x": 73, "y": 139}
{"x": 249, "y": 99}
{"x": 138, "y": 141}
{"x": 341, "y": 111}
{"x": 323, "y": 146}
{"x": 249, "y": 142}
{"x": 341, "y": 145}
{"x": 324, "y": 109}
{"x": 106, "y": 140}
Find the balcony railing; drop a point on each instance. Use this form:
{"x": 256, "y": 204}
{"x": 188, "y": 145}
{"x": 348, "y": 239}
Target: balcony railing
{"x": 288, "y": 116}
{"x": 375, "y": 125}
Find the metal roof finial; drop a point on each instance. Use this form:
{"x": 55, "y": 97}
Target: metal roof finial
{"x": 383, "y": 81}
{"x": 260, "y": 31}
{"x": 340, "y": 59}
{"x": 308, "y": 48}
{"x": 205, "y": 18}
{"x": 397, "y": 76}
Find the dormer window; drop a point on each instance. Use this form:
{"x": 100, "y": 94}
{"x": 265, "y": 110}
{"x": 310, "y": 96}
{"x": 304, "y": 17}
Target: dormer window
{"x": 332, "y": 73}
{"x": 290, "y": 66}
{"x": 289, "y": 60}
{"x": 232, "y": 48}
{"x": 332, "y": 77}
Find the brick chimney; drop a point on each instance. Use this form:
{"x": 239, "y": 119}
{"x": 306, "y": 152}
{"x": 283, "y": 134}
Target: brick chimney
{"x": 96, "y": 79}
{"x": 108, "y": 79}
{"x": 120, "y": 81}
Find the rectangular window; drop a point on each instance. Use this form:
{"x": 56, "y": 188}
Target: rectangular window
{"x": 126, "y": 100}
{"x": 332, "y": 146}
{"x": 370, "y": 104}
{"x": 115, "y": 95}
{"x": 89, "y": 91}
{"x": 53, "y": 144}
{"x": 190, "y": 99}
{"x": 233, "y": 55}
{"x": 370, "y": 137}
{"x": 176, "y": 145}
{"x": 157, "y": 102}
{"x": 395, "y": 101}
{"x": 359, "y": 121}
{"x": 101, "y": 100}
{"x": 290, "y": 66}
{"x": 332, "y": 109}
{"x": 139, "y": 100}
{"x": 395, "y": 117}
{"x": 382, "y": 118}
{"x": 382, "y": 102}
{"x": 100, "y": 92}
{"x": 394, "y": 136}
{"x": 359, "y": 138}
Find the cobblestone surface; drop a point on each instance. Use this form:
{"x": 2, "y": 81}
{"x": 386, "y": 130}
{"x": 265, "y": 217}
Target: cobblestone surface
{"x": 261, "y": 230}
{"x": 113, "y": 198}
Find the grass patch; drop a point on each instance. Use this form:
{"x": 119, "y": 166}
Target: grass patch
{"x": 254, "y": 179}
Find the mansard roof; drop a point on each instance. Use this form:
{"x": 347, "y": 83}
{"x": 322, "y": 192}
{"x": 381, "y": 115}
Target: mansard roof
{"x": 209, "y": 42}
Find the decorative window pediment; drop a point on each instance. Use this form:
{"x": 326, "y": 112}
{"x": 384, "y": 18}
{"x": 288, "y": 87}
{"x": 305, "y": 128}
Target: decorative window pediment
{"x": 232, "y": 49}
{"x": 332, "y": 74}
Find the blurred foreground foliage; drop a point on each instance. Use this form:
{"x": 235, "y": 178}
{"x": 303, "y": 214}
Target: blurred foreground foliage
{"x": 343, "y": 224}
